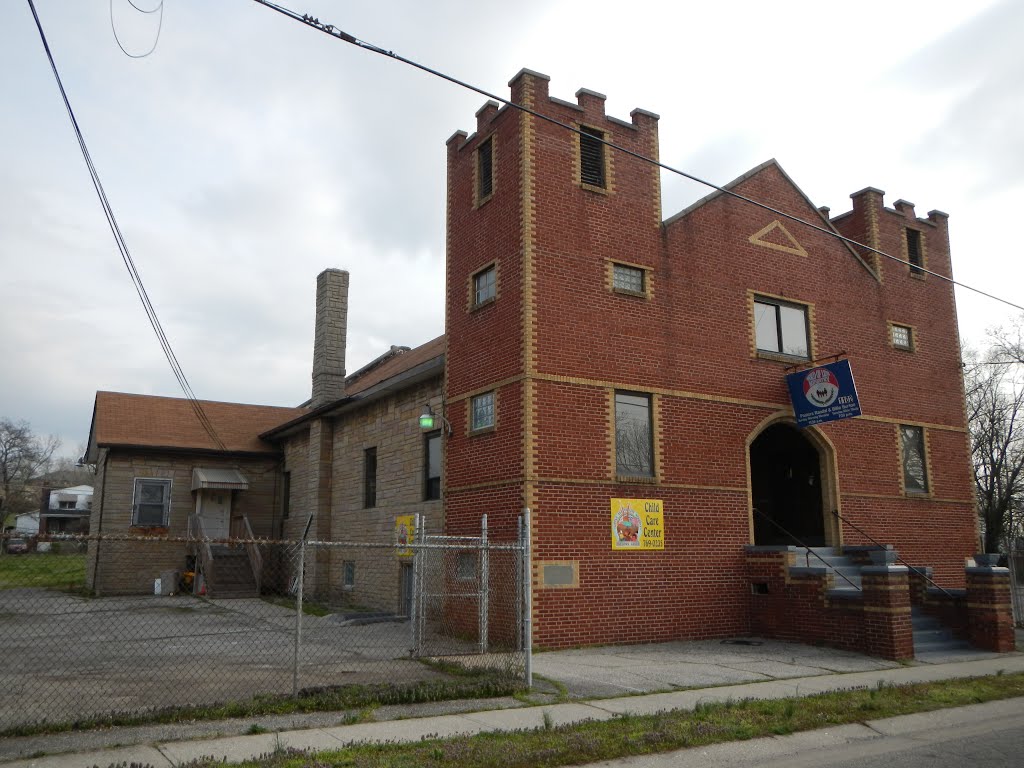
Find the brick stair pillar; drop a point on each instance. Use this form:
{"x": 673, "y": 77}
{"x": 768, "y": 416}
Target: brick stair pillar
{"x": 989, "y": 615}
{"x": 888, "y": 631}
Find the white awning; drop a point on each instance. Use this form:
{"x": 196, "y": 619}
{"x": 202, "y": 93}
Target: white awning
{"x": 224, "y": 479}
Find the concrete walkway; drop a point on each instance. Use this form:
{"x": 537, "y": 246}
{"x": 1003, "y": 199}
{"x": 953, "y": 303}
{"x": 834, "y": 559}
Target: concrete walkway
{"x": 624, "y": 663}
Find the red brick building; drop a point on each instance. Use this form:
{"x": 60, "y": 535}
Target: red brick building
{"x": 597, "y": 351}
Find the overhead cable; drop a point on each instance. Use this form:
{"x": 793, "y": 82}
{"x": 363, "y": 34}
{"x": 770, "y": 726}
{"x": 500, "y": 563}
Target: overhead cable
{"x": 339, "y": 34}
{"x": 126, "y": 256}
{"x": 160, "y": 25}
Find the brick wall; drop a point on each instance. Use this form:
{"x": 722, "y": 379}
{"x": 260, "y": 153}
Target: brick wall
{"x": 558, "y": 342}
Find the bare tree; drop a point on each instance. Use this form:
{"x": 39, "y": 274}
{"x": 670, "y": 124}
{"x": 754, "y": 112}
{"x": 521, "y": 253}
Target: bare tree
{"x": 23, "y": 457}
{"x": 995, "y": 411}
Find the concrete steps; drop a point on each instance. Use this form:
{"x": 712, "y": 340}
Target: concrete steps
{"x": 845, "y": 573}
{"x": 931, "y": 636}
{"x": 232, "y": 574}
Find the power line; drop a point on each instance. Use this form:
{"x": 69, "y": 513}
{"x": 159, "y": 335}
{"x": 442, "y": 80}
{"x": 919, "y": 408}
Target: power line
{"x": 339, "y": 34}
{"x": 159, "y": 28}
{"x": 126, "y": 256}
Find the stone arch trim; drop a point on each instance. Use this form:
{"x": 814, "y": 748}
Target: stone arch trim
{"x": 829, "y": 466}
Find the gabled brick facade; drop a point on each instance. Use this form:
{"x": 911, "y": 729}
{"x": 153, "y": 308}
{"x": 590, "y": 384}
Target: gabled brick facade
{"x": 559, "y": 340}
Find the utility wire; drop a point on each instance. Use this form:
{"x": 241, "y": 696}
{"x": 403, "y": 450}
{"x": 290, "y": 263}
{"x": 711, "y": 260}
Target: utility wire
{"x": 159, "y": 28}
{"x": 339, "y": 34}
{"x": 126, "y": 256}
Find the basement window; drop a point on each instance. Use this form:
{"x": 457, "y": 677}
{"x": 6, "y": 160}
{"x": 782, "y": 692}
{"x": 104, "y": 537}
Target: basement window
{"x": 592, "y": 170}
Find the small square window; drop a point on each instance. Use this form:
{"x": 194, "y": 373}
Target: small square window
{"x": 484, "y": 285}
{"x": 902, "y": 337}
{"x": 592, "y": 157}
{"x": 485, "y": 170}
{"x": 915, "y": 465}
{"x": 628, "y": 279}
{"x": 482, "y": 411}
{"x": 349, "y": 577}
{"x": 781, "y": 328}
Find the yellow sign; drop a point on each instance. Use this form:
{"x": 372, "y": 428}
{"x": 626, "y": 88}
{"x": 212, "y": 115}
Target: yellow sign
{"x": 405, "y": 531}
{"x": 638, "y": 524}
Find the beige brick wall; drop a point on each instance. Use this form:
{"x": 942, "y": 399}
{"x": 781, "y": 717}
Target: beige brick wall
{"x": 130, "y": 567}
{"x": 392, "y": 427}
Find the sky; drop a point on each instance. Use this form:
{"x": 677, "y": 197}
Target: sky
{"x": 248, "y": 152}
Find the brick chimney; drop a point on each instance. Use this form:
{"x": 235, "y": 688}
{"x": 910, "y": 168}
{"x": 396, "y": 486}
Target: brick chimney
{"x": 329, "y": 336}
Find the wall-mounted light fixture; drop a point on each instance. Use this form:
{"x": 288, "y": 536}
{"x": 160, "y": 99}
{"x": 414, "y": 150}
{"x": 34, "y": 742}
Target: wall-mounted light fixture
{"x": 428, "y": 419}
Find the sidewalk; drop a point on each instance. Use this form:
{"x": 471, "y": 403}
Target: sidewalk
{"x": 166, "y": 754}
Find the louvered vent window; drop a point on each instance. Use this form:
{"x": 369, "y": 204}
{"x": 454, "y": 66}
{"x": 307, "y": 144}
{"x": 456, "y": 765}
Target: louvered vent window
{"x": 914, "y": 252}
{"x": 591, "y": 157}
{"x": 485, "y": 170}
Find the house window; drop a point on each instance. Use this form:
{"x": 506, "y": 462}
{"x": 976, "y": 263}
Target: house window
{"x": 151, "y": 502}
{"x": 592, "y": 157}
{"x": 484, "y": 283}
{"x": 349, "y": 575}
{"x": 914, "y": 253}
{"x": 915, "y": 472}
{"x": 286, "y": 495}
{"x": 634, "y": 449}
{"x": 481, "y": 411}
{"x": 465, "y": 566}
{"x": 485, "y": 170}
{"x": 628, "y": 279}
{"x": 370, "y": 478}
{"x": 432, "y": 466}
{"x": 781, "y": 328}
{"x": 902, "y": 337}
{"x": 65, "y": 505}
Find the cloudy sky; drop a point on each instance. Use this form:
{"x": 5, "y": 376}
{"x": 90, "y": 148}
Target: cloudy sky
{"x": 248, "y": 152}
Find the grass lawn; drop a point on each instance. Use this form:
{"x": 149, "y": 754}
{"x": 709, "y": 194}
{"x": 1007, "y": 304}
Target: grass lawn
{"x": 42, "y": 570}
{"x": 642, "y": 735}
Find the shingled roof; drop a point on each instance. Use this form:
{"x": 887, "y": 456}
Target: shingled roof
{"x": 147, "y": 421}
{"x": 399, "y": 360}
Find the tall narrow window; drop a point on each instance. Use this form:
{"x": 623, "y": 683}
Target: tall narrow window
{"x": 482, "y": 411}
{"x": 781, "y": 327}
{"x": 914, "y": 255}
{"x": 432, "y": 466}
{"x": 286, "y": 495}
{"x": 151, "y": 503}
{"x": 484, "y": 170}
{"x": 592, "y": 157}
{"x": 915, "y": 472}
{"x": 370, "y": 478}
{"x": 634, "y": 450}
{"x": 349, "y": 577}
{"x": 484, "y": 285}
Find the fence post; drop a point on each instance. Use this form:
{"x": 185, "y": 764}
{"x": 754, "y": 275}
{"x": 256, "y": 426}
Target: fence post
{"x": 419, "y": 568}
{"x": 298, "y": 609}
{"x": 484, "y": 593}
{"x": 414, "y": 589}
{"x": 519, "y": 583}
{"x": 527, "y": 587}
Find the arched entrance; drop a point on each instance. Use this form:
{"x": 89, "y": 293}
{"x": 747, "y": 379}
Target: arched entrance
{"x": 786, "y": 488}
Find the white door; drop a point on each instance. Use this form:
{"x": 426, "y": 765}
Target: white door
{"x": 215, "y": 511}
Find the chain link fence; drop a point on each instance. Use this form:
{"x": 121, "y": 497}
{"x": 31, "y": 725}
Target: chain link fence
{"x": 95, "y": 626}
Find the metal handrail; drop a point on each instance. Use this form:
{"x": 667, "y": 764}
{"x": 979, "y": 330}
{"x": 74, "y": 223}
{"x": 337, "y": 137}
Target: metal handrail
{"x": 878, "y": 543}
{"x": 810, "y": 551}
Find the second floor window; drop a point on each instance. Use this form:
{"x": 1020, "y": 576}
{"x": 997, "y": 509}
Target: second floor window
{"x": 781, "y": 328}
{"x": 484, "y": 285}
{"x": 634, "y": 449}
{"x": 482, "y": 411}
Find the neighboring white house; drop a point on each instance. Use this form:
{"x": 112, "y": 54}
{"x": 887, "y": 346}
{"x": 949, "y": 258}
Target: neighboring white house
{"x": 27, "y": 524}
{"x": 67, "y": 510}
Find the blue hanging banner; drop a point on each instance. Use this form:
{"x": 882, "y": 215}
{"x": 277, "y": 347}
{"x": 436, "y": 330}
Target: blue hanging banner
{"x": 824, "y": 393}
